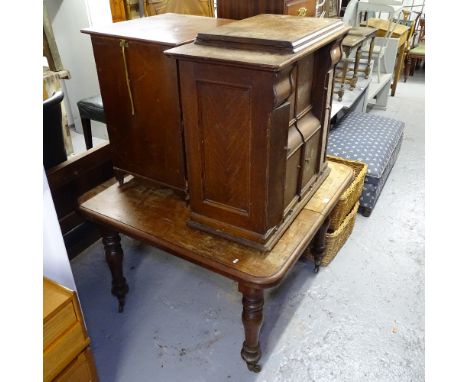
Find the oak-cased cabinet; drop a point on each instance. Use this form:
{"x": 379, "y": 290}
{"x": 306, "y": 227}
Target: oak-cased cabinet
{"x": 256, "y": 97}
{"x": 140, "y": 93}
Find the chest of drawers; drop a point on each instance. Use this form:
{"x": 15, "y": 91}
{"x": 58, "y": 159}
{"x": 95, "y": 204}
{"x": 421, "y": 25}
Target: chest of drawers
{"x": 241, "y": 9}
{"x": 256, "y": 99}
{"x": 67, "y": 356}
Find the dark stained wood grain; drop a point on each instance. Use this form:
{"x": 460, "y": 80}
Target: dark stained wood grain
{"x": 71, "y": 179}
{"x": 114, "y": 257}
{"x": 157, "y": 216}
{"x": 241, "y": 9}
{"x": 143, "y": 115}
{"x": 252, "y": 319}
{"x": 256, "y": 157}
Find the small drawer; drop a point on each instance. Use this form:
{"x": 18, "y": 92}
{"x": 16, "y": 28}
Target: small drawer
{"x": 82, "y": 369}
{"x": 62, "y": 351}
{"x": 59, "y": 323}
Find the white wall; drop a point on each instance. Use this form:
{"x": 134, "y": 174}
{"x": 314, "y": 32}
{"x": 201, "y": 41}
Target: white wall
{"x": 56, "y": 265}
{"x": 67, "y": 18}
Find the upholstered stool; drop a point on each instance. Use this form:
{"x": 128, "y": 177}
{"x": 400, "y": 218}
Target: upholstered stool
{"x": 371, "y": 139}
{"x": 90, "y": 109}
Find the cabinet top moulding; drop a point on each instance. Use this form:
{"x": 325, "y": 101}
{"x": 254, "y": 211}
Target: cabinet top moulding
{"x": 268, "y": 41}
{"x": 163, "y": 29}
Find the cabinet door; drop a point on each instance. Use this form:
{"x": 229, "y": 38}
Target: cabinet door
{"x": 310, "y": 129}
{"x": 143, "y": 116}
{"x": 300, "y": 8}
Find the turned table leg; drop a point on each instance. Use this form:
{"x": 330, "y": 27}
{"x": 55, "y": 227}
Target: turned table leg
{"x": 114, "y": 257}
{"x": 252, "y": 318}
{"x": 318, "y": 244}
{"x": 343, "y": 79}
{"x": 357, "y": 58}
{"x": 369, "y": 58}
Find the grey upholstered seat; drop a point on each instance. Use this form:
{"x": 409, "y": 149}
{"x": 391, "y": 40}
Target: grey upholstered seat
{"x": 372, "y": 139}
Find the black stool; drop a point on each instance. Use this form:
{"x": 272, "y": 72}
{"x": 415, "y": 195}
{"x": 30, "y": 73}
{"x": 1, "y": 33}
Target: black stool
{"x": 90, "y": 109}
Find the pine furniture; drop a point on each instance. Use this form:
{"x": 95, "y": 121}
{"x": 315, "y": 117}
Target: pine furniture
{"x": 67, "y": 355}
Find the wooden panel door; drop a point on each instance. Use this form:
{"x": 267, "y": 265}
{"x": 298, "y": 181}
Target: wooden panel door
{"x": 143, "y": 115}
{"x": 227, "y": 147}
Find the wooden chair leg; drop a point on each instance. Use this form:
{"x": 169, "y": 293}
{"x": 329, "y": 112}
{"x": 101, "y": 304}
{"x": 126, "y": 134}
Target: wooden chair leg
{"x": 407, "y": 68}
{"x": 86, "y": 123}
{"x": 114, "y": 257}
{"x": 343, "y": 80}
{"x": 412, "y": 66}
{"x": 252, "y": 318}
{"x": 318, "y": 245}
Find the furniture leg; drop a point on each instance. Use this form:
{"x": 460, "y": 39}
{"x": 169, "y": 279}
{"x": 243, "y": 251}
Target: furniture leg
{"x": 379, "y": 59}
{"x": 120, "y": 176}
{"x": 407, "y": 68}
{"x": 252, "y": 318}
{"x": 318, "y": 244}
{"x": 357, "y": 58}
{"x": 413, "y": 66}
{"x": 343, "y": 79}
{"x": 396, "y": 76}
{"x": 369, "y": 58}
{"x": 86, "y": 124}
{"x": 365, "y": 211}
{"x": 114, "y": 257}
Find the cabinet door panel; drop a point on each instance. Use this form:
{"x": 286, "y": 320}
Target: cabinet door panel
{"x": 148, "y": 141}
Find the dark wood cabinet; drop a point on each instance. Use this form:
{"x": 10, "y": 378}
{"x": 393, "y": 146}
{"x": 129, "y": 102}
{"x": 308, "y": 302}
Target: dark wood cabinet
{"x": 140, "y": 93}
{"x": 241, "y": 9}
{"x": 256, "y": 97}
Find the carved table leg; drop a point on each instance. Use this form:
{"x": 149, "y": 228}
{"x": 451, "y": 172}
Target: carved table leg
{"x": 318, "y": 245}
{"x": 252, "y": 318}
{"x": 114, "y": 257}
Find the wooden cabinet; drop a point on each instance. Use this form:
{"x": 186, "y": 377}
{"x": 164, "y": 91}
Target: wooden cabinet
{"x": 241, "y": 9}
{"x": 256, "y": 99}
{"x": 140, "y": 93}
{"x": 67, "y": 356}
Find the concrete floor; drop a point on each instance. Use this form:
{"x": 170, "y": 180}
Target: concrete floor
{"x": 359, "y": 319}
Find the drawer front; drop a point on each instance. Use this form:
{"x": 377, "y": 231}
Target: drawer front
{"x": 300, "y": 8}
{"x": 59, "y": 323}
{"x": 61, "y": 352}
{"x": 82, "y": 369}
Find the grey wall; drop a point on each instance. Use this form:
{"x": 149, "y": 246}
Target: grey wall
{"x": 67, "y": 18}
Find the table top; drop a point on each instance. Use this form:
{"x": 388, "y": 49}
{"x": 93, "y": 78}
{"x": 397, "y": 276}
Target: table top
{"x": 167, "y": 29}
{"x": 158, "y": 216}
{"x": 400, "y": 31}
{"x": 352, "y": 41}
{"x": 363, "y": 31}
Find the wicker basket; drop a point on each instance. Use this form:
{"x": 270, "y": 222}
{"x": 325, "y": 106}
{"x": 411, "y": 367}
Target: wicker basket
{"x": 351, "y": 195}
{"x": 336, "y": 239}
